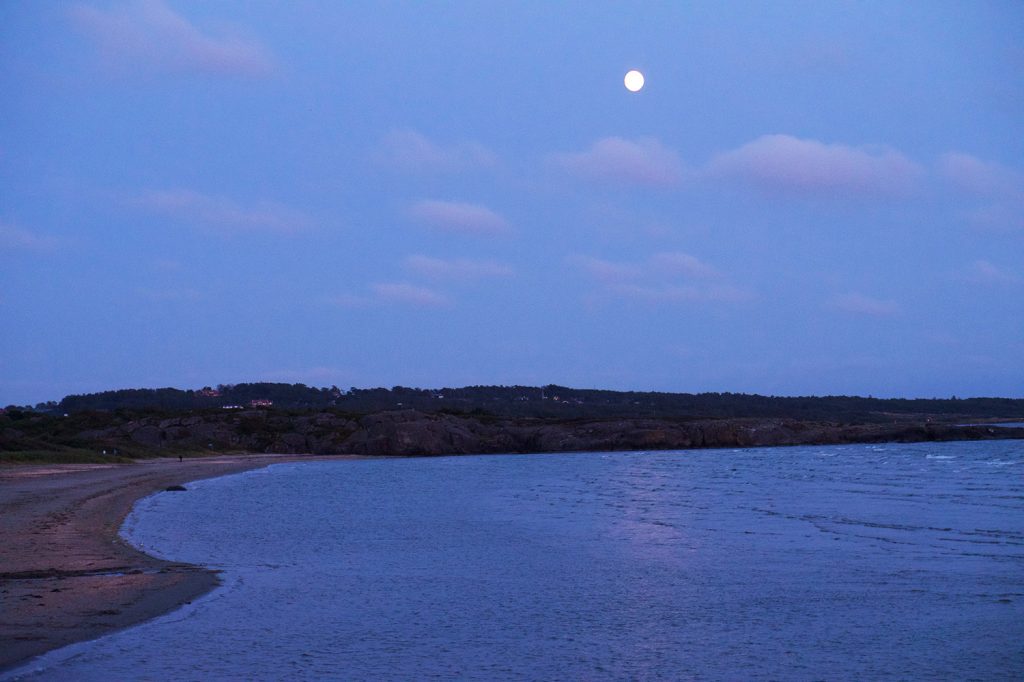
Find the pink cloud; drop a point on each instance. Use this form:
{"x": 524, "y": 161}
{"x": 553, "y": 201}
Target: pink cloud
{"x": 167, "y": 265}
{"x": 222, "y": 215}
{"x": 457, "y": 268}
{"x": 348, "y": 301}
{"x": 398, "y": 292}
{"x": 789, "y": 164}
{"x": 671, "y": 277}
{"x": 170, "y": 295}
{"x": 409, "y": 150}
{"x": 617, "y": 161}
{"x": 459, "y": 217}
{"x": 998, "y": 217}
{"x": 605, "y": 270}
{"x": 985, "y": 273}
{"x": 148, "y": 35}
{"x": 973, "y": 175}
{"x": 659, "y": 266}
{"x": 681, "y": 294}
{"x": 17, "y": 239}
{"x": 865, "y": 305}
{"x": 320, "y": 375}
{"x": 683, "y": 264}
{"x": 1001, "y": 187}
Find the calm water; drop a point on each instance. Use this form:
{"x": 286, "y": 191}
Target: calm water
{"x": 852, "y": 562}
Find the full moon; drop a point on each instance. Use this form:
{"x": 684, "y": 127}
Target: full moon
{"x": 634, "y": 80}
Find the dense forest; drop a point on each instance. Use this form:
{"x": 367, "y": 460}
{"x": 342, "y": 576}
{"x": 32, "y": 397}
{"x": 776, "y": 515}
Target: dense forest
{"x": 550, "y": 401}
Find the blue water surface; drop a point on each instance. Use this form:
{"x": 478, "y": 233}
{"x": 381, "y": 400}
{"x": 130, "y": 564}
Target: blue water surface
{"x": 804, "y": 563}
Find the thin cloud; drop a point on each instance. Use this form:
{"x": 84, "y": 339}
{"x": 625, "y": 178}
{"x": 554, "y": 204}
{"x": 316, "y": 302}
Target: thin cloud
{"x": 1005, "y": 217}
{"x": 677, "y": 263}
{"x": 148, "y": 35}
{"x": 1001, "y": 188}
{"x": 400, "y": 292}
{"x": 971, "y": 174}
{"x": 348, "y": 301}
{"x": 320, "y": 375}
{"x": 459, "y": 217}
{"x": 663, "y": 265}
{"x": 167, "y": 265}
{"x": 668, "y": 277}
{"x": 605, "y": 270}
{"x": 222, "y": 215}
{"x": 782, "y": 163}
{"x": 386, "y": 293}
{"x": 617, "y": 161}
{"x": 860, "y": 304}
{"x": 412, "y": 151}
{"x": 457, "y": 268}
{"x": 17, "y": 239}
{"x": 681, "y": 294}
{"x": 170, "y": 295}
{"x": 985, "y": 273}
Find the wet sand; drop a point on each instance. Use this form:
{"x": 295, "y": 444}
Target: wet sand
{"x": 66, "y": 575}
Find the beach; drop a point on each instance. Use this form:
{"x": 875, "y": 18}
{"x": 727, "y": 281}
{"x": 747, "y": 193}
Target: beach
{"x": 65, "y": 574}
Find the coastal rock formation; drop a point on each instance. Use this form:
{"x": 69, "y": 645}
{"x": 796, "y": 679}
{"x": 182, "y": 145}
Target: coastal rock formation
{"x": 409, "y": 432}
{"x": 415, "y": 433}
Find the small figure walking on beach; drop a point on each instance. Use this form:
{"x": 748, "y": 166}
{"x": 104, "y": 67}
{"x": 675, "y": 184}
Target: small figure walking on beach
{"x": 179, "y": 457}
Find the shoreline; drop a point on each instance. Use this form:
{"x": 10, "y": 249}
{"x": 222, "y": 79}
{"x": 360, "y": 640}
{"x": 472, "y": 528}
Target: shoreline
{"x": 66, "y": 575}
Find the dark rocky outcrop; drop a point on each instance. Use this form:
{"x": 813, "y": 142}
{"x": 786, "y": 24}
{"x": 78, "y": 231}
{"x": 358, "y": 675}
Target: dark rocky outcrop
{"x": 414, "y": 433}
{"x": 411, "y": 433}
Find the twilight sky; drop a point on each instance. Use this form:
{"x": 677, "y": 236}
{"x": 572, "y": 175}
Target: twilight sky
{"x": 806, "y": 198}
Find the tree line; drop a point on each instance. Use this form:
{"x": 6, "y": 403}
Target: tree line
{"x": 551, "y": 401}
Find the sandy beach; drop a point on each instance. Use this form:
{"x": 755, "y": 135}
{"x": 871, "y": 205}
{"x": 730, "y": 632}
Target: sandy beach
{"x": 65, "y": 574}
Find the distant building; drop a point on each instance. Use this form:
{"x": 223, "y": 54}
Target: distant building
{"x": 261, "y": 402}
{"x": 209, "y": 392}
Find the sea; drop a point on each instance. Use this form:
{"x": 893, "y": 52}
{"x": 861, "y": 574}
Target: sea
{"x": 858, "y": 562}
